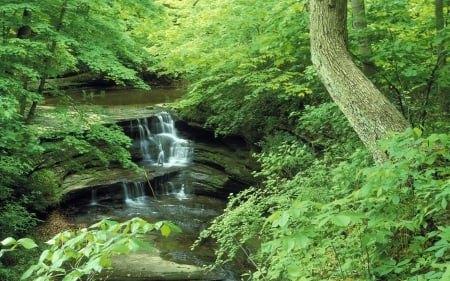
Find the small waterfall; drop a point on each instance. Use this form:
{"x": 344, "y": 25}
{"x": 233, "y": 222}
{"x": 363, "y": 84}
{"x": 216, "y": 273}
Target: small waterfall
{"x": 93, "y": 197}
{"x": 178, "y": 186}
{"x": 160, "y": 144}
{"x": 181, "y": 195}
{"x": 145, "y": 139}
{"x": 134, "y": 192}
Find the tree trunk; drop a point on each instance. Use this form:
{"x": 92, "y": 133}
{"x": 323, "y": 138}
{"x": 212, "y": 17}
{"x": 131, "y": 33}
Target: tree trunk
{"x": 443, "y": 92}
{"x": 47, "y": 61}
{"x": 369, "y": 112}
{"x": 360, "y": 25}
{"x": 24, "y": 32}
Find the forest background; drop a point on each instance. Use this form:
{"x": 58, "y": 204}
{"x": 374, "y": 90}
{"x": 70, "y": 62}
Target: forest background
{"x": 323, "y": 210}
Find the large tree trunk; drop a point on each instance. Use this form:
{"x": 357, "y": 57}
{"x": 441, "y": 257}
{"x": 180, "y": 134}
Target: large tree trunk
{"x": 367, "y": 109}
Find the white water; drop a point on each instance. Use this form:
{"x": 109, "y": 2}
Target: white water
{"x": 160, "y": 144}
{"x": 137, "y": 194}
{"x": 134, "y": 193}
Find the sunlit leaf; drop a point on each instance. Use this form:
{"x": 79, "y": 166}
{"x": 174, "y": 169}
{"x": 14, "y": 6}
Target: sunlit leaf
{"x": 165, "y": 230}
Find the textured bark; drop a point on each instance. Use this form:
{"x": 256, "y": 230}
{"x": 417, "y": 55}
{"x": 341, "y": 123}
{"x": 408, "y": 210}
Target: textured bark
{"x": 360, "y": 25}
{"x": 369, "y": 112}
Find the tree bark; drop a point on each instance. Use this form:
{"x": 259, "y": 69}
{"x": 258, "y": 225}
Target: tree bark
{"x": 369, "y": 112}
{"x": 360, "y": 26}
{"x": 24, "y": 32}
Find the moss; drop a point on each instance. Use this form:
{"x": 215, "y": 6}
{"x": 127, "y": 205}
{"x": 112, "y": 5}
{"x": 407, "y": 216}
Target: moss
{"x": 45, "y": 191}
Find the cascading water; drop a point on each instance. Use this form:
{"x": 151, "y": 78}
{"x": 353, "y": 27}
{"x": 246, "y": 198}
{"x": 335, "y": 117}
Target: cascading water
{"x": 159, "y": 143}
{"x": 169, "y": 195}
{"x": 134, "y": 192}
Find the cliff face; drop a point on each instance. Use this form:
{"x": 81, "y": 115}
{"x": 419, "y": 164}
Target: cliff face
{"x": 219, "y": 166}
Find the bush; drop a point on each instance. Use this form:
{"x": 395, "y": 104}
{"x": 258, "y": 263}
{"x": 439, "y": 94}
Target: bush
{"x": 43, "y": 190}
{"x": 348, "y": 220}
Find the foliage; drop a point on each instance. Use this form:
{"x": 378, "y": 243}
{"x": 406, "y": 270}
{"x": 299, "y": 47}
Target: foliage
{"x": 350, "y": 221}
{"x": 16, "y": 219}
{"x": 321, "y": 212}
{"x": 265, "y": 74}
{"x": 44, "y": 190}
{"x": 73, "y": 255}
{"x": 52, "y": 39}
{"x": 13, "y": 261}
{"x": 291, "y": 166}
{"x": 17, "y": 145}
{"x": 405, "y": 45}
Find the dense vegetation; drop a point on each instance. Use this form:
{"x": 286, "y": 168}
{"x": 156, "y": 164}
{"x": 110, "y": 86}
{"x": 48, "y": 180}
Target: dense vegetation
{"x": 41, "y": 41}
{"x": 323, "y": 210}
{"x": 54, "y": 39}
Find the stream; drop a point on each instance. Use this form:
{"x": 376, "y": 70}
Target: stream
{"x": 169, "y": 197}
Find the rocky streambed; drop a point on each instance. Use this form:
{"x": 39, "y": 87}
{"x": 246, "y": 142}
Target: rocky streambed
{"x": 188, "y": 187}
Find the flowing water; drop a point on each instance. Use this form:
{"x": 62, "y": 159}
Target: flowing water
{"x": 159, "y": 142}
{"x": 121, "y": 97}
{"x": 169, "y": 197}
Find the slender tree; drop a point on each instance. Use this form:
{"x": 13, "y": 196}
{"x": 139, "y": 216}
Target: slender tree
{"x": 47, "y": 60}
{"x": 443, "y": 92}
{"x": 369, "y": 112}
{"x": 360, "y": 25}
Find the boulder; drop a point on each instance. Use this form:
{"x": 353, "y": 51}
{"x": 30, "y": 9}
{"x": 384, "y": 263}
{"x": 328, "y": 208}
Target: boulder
{"x": 150, "y": 266}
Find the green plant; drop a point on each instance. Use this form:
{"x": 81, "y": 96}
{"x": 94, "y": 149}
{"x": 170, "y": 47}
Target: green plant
{"x": 16, "y": 219}
{"x": 350, "y": 220}
{"x": 73, "y": 255}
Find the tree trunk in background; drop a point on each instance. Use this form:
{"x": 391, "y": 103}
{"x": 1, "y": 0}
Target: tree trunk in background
{"x": 369, "y": 112}
{"x": 24, "y": 32}
{"x": 443, "y": 92}
{"x": 47, "y": 61}
{"x": 360, "y": 25}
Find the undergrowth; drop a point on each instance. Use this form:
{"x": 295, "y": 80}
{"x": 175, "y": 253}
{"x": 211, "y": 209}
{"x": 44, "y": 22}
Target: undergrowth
{"x": 334, "y": 215}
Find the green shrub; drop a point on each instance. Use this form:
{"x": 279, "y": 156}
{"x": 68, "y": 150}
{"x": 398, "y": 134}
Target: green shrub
{"x": 350, "y": 220}
{"x": 16, "y": 220}
{"x": 44, "y": 190}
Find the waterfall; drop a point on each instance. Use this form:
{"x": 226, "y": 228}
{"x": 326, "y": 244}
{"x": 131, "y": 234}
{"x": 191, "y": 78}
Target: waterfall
{"x": 160, "y": 144}
{"x": 93, "y": 197}
{"x": 178, "y": 186}
{"x": 134, "y": 192}
{"x": 181, "y": 195}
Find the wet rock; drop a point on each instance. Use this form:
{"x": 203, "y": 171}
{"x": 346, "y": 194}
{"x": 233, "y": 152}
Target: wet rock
{"x": 150, "y": 266}
{"x": 77, "y": 185}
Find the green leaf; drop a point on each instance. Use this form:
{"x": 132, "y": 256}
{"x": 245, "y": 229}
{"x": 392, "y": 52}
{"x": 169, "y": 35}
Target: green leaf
{"x": 173, "y": 227}
{"x": 105, "y": 261}
{"x": 142, "y": 244}
{"x": 341, "y": 220}
{"x": 120, "y": 248}
{"x": 444, "y": 203}
{"x": 417, "y": 132}
{"x": 274, "y": 216}
{"x": 395, "y": 199}
{"x": 27, "y": 243}
{"x": 282, "y": 220}
{"x": 302, "y": 240}
{"x": 165, "y": 230}
{"x": 446, "y": 275}
{"x": 28, "y": 273}
{"x": 8, "y": 241}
